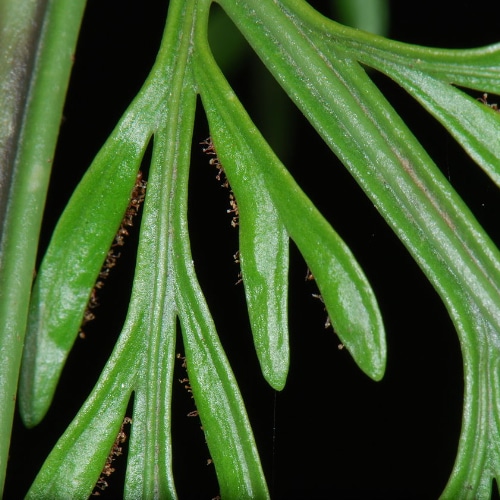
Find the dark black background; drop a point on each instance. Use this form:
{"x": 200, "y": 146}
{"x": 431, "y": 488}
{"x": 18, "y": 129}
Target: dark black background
{"x": 332, "y": 432}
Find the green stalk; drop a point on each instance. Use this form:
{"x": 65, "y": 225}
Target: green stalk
{"x": 30, "y": 168}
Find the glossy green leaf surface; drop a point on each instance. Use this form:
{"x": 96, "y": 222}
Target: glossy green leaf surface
{"x": 319, "y": 65}
{"x": 263, "y": 255}
{"x": 472, "y": 123}
{"x": 394, "y": 170}
{"x": 347, "y": 294}
{"x": 345, "y": 290}
{"x": 70, "y": 269}
{"x": 227, "y": 430}
{"x": 165, "y": 286}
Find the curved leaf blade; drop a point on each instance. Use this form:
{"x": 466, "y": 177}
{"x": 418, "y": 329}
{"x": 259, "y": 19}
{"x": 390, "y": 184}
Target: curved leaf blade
{"x": 427, "y": 214}
{"x": 474, "y": 125}
{"x": 221, "y": 408}
{"x": 263, "y": 256}
{"x": 475, "y": 68}
{"x": 222, "y": 412}
{"x": 70, "y": 269}
{"x": 349, "y": 299}
{"x": 73, "y": 467}
{"x": 373, "y": 142}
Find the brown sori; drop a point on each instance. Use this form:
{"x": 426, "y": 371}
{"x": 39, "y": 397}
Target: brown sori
{"x": 136, "y": 199}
